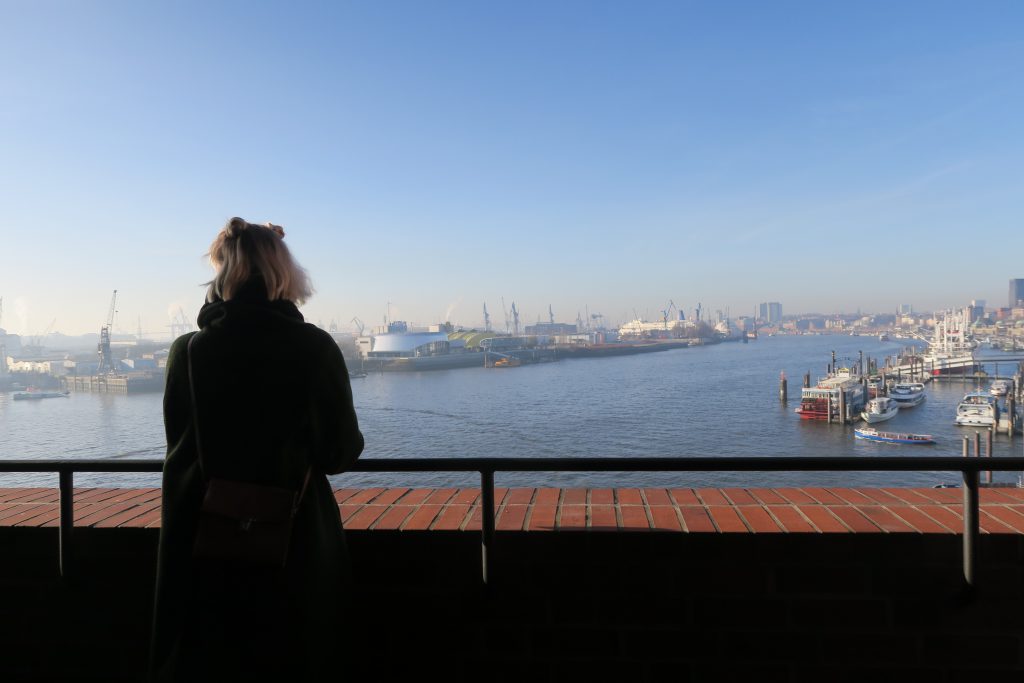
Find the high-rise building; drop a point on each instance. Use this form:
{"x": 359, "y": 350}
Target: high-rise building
{"x": 906, "y": 309}
{"x": 1016, "y": 292}
{"x": 770, "y": 311}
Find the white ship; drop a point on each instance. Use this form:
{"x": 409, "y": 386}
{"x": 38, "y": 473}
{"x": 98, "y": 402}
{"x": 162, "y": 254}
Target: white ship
{"x": 907, "y": 394}
{"x": 879, "y": 410}
{"x": 951, "y": 351}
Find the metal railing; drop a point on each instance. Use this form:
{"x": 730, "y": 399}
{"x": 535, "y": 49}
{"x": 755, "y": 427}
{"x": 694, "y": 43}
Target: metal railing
{"x": 969, "y": 469}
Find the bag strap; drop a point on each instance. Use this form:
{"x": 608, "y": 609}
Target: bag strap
{"x": 199, "y": 444}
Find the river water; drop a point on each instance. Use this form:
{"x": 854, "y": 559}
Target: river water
{"x": 719, "y": 400}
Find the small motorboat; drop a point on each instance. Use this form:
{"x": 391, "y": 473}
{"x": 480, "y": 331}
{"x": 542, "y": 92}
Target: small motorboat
{"x": 907, "y": 394}
{"x": 871, "y": 434}
{"x": 977, "y": 409}
{"x": 1000, "y": 387}
{"x": 879, "y": 410}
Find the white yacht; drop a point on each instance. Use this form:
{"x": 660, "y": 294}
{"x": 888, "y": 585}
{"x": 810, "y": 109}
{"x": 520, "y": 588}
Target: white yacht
{"x": 907, "y": 394}
{"x": 977, "y": 409}
{"x": 880, "y": 410}
{"x": 1000, "y": 387}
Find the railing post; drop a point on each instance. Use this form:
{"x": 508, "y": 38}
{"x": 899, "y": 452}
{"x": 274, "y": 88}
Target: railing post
{"x": 971, "y": 522}
{"x": 487, "y": 526}
{"x": 67, "y": 520}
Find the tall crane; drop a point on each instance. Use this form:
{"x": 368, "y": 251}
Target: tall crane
{"x": 667, "y": 312}
{"x": 515, "y": 318}
{"x": 359, "y": 324}
{"x": 551, "y": 315}
{"x": 487, "y": 319}
{"x": 103, "y": 348}
{"x": 505, "y": 311}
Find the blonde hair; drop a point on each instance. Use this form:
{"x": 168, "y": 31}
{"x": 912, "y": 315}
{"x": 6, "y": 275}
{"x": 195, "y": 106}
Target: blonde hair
{"x": 244, "y": 250}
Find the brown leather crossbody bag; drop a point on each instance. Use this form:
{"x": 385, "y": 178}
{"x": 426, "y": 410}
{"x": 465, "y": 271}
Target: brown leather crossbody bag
{"x": 240, "y": 521}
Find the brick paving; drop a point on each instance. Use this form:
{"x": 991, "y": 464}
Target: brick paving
{"x": 730, "y": 510}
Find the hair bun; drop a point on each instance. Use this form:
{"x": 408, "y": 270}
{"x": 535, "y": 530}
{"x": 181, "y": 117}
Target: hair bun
{"x": 235, "y": 226}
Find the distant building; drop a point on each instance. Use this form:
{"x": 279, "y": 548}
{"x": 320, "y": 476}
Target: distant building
{"x": 551, "y": 329}
{"x": 771, "y": 311}
{"x": 906, "y": 309}
{"x": 1016, "y": 293}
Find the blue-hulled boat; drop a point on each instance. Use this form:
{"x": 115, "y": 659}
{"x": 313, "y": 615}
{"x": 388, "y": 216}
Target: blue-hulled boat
{"x": 869, "y": 434}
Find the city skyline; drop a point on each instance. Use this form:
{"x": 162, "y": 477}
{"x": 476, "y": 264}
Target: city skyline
{"x": 582, "y": 155}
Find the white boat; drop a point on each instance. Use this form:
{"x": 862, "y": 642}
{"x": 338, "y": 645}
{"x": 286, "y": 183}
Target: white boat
{"x": 872, "y": 434}
{"x": 977, "y": 409}
{"x": 907, "y": 394}
{"x": 879, "y": 410}
{"x": 1000, "y": 387}
{"x": 951, "y": 351}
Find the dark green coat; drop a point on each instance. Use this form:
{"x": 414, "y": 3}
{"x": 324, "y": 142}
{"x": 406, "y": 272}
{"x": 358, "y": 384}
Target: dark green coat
{"x": 273, "y": 397}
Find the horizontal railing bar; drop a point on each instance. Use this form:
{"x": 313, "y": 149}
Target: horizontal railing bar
{"x": 593, "y": 464}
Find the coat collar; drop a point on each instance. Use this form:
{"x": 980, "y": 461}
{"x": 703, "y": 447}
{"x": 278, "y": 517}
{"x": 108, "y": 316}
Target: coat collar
{"x": 249, "y": 305}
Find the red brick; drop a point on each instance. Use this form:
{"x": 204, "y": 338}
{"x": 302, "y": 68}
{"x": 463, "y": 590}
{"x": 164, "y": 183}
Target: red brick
{"x": 768, "y": 496}
{"x": 995, "y": 496}
{"x": 629, "y": 496}
{"x": 394, "y": 517}
{"x": 364, "y": 496}
{"x": 908, "y": 495}
{"x": 634, "y": 518}
{"x": 1006, "y": 516}
{"x": 726, "y": 519}
{"x": 451, "y": 518}
{"x": 574, "y": 497}
{"x": 149, "y": 520}
{"x": 348, "y": 510}
{"x": 389, "y": 496}
{"x": 822, "y": 518}
{"x": 1015, "y": 493}
{"x": 880, "y": 496}
{"x": 49, "y": 518}
{"x": 759, "y": 520}
{"x": 421, "y": 519}
{"x": 992, "y": 525}
{"x": 128, "y": 516}
{"x": 601, "y": 517}
{"x": 602, "y": 497}
{"x": 440, "y": 496}
{"x": 796, "y": 496}
{"x": 712, "y": 497}
{"x": 851, "y": 496}
{"x": 685, "y": 497}
{"x": 103, "y": 512}
{"x": 854, "y": 518}
{"x": 572, "y": 517}
{"x": 944, "y": 496}
{"x": 665, "y": 518}
{"x": 341, "y": 495}
{"x": 512, "y": 518}
{"x": 791, "y": 519}
{"x": 884, "y": 519}
{"x": 822, "y": 496}
{"x": 547, "y": 497}
{"x": 519, "y": 496}
{"x": 365, "y": 517}
{"x": 739, "y": 496}
{"x": 467, "y": 497}
{"x": 542, "y": 517}
{"x": 919, "y": 520}
{"x": 95, "y": 495}
{"x": 657, "y": 497}
{"x": 945, "y": 516}
{"x": 696, "y": 519}
{"x": 24, "y": 513}
{"x": 414, "y": 497}
{"x": 11, "y": 495}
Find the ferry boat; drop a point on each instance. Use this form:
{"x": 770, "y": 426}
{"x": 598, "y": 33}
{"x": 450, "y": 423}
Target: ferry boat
{"x": 907, "y": 394}
{"x": 880, "y": 410}
{"x": 872, "y": 434}
{"x": 1000, "y": 387}
{"x": 35, "y": 394}
{"x": 977, "y": 409}
{"x": 822, "y": 401}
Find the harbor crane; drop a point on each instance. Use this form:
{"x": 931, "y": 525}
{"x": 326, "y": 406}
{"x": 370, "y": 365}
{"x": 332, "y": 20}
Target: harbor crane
{"x": 515, "y": 318}
{"x": 359, "y": 324}
{"x": 106, "y": 365}
{"x": 505, "y": 311}
{"x": 551, "y": 315}
{"x": 487, "y": 319}
{"x": 667, "y": 312}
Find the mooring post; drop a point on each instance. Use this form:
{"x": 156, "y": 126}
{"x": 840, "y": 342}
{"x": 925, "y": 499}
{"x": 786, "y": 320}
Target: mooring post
{"x": 988, "y": 453}
{"x": 966, "y": 447}
{"x": 783, "y": 388}
{"x": 977, "y": 444}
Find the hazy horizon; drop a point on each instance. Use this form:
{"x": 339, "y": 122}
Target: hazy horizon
{"x": 584, "y": 155}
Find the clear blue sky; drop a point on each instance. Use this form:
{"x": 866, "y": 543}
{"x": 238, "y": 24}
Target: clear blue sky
{"x": 441, "y": 154}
